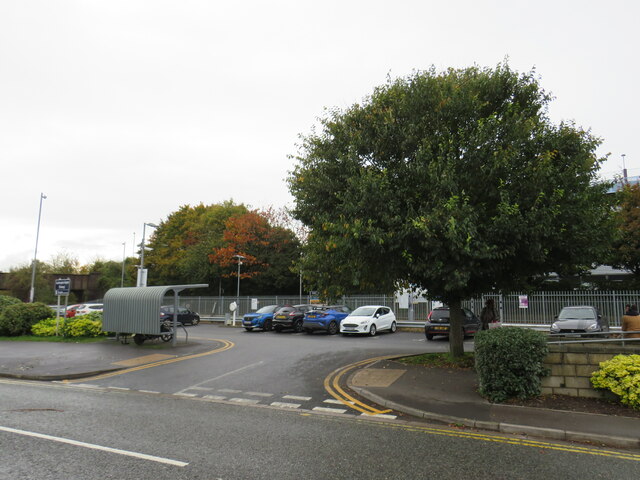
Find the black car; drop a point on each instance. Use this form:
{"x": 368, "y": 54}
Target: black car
{"x": 185, "y": 316}
{"x": 290, "y": 317}
{"x": 438, "y": 323}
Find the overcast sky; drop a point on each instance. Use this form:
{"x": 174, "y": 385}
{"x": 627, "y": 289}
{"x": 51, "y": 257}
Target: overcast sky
{"x": 121, "y": 111}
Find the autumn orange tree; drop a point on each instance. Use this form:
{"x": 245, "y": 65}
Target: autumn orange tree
{"x": 269, "y": 253}
{"x": 196, "y": 244}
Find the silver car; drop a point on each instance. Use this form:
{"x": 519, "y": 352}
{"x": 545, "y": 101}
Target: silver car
{"x": 581, "y": 319}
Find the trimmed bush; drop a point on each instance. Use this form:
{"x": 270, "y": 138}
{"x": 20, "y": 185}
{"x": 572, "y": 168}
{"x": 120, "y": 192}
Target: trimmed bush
{"x": 509, "y": 362}
{"x": 620, "y": 375}
{"x": 6, "y": 300}
{"x": 89, "y": 325}
{"x": 19, "y": 318}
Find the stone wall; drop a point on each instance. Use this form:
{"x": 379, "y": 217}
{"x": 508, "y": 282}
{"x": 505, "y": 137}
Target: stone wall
{"x": 571, "y": 366}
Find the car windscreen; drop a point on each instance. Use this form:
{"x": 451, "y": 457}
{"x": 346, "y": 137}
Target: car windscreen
{"x": 267, "y": 309}
{"x": 576, "y": 314}
{"x": 364, "y": 311}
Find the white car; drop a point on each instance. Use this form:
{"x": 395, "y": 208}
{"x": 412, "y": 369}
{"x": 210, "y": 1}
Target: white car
{"x": 85, "y": 308}
{"x": 369, "y": 319}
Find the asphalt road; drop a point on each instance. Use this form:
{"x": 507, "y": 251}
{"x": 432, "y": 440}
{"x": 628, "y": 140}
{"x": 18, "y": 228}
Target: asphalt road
{"x": 230, "y": 415}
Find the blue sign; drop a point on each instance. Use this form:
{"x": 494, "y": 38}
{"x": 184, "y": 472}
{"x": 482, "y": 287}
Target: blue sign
{"x": 63, "y": 286}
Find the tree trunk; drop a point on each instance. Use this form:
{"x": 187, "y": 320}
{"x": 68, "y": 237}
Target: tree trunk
{"x": 456, "y": 335}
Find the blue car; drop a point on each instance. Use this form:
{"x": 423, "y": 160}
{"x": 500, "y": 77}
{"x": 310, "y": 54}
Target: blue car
{"x": 326, "y": 319}
{"x": 262, "y": 318}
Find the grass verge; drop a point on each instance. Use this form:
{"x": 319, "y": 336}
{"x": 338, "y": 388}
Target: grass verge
{"x": 440, "y": 360}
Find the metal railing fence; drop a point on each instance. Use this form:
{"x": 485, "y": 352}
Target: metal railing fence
{"x": 541, "y": 307}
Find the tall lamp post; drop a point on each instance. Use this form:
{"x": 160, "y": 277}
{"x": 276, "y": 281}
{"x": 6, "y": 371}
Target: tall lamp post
{"x": 124, "y": 256}
{"x": 32, "y": 291}
{"x": 239, "y": 258}
{"x": 142, "y": 274}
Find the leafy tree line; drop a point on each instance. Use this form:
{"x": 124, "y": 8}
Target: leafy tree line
{"x": 199, "y": 244}
{"x": 456, "y": 182}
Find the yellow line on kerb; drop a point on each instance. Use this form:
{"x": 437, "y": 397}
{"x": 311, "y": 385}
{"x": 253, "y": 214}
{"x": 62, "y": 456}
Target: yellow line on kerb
{"x": 332, "y": 386}
{"x": 226, "y": 346}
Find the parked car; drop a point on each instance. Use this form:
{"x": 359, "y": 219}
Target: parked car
{"x": 290, "y": 317}
{"x": 261, "y": 318}
{"x": 325, "y": 318}
{"x": 369, "y": 319}
{"x": 580, "y": 319}
{"x": 71, "y": 310}
{"x": 185, "y": 316}
{"x": 438, "y": 323}
{"x": 85, "y": 308}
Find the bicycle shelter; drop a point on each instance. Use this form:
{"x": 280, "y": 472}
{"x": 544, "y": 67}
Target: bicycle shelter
{"x": 136, "y": 310}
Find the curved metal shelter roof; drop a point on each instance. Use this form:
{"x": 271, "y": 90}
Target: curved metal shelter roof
{"x": 137, "y": 309}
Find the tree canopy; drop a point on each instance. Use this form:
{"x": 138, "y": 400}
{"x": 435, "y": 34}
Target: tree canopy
{"x": 626, "y": 251}
{"x": 198, "y": 244}
{"x": 455, "y": 182}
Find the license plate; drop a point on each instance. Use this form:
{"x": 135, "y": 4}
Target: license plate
{"x": 441, "y": 328}
{"x": 281, "y": 317}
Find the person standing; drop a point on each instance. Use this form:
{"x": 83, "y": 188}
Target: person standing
{"x": 631, "y": 322}
{"x": 488, "y": 314}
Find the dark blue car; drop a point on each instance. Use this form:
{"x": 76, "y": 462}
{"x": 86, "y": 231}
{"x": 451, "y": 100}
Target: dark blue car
{"x": 262, "y": 318}
{"x": 326, "y": 319}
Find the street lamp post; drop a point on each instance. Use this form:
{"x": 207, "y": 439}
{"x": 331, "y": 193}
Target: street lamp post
{"x": 239, "y": 258}
{"x": 142, "y": 277}
{"x": 32, "y": 291}
{"x": 124, "y": 256}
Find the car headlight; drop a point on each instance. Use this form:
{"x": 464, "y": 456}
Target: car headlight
{"x": 593, "y": 327}
{"x": 364, "y": 322}
{"x": 554, "y": 327}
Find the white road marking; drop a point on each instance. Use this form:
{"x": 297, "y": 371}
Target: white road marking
{"x": 86, "y": 385}
{"x": 214, "y": 397}
{"x": 336, "y": 401}
{"x": 92, "y": 446}
{"x": 259, "y": 394}
{"x": 148, "y": 391}
{"x": 329, "y": 410}
{"x": 294, "y": 397}
{"x": 251, "y": 401}
{"x": 285, "y": 405}
{"x": 183, "y": 394}
{"x": 225, "y": 375}
{"x": 229, "y": 390}
{"x": 379, "y": 415}
{"x": 119, "y": 388}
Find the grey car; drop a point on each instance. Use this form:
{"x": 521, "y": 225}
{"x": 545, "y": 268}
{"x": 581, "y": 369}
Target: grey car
{"x": 580, "y": 319}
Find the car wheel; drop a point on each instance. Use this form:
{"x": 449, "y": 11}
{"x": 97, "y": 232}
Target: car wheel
{"x": 267, "y": 326}
{"x": 394, "y": 327}
{"x": 195, "y": 321}
{"x": 429, "y": 336}
{"x": 333, "y": 328}
{"x": 165, "y": 337}
{"x": 138, "y": 339}
{"x": 372, "y": 330}
{"x": 248, "y": 329}
{"x": 297, "y": 327}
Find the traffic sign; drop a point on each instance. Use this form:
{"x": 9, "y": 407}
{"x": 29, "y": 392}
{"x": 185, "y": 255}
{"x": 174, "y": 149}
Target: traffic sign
{"x": 63, "y": 286}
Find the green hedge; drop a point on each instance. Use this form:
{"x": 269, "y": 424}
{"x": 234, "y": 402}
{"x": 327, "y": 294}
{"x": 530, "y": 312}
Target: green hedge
{"x": 89, "y": 325}
{"x": 6, "y": 300}
{"x": 620, "y": 375}
{"x": 509, "y": 362}
{"x": 18, "y": 319}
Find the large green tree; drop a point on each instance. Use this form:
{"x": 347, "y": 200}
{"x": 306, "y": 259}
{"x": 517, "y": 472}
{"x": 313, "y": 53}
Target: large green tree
{"x": 626, "y": 251}
{"x": 456, "y": 182}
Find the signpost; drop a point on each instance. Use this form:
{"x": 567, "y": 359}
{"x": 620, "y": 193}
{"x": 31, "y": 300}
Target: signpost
{"x": 62, "y": 288}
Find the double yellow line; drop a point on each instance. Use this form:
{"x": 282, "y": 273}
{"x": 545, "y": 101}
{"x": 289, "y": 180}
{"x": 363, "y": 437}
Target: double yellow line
{"x": 332, "y": 386}
{"x": 226, "y": 345}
